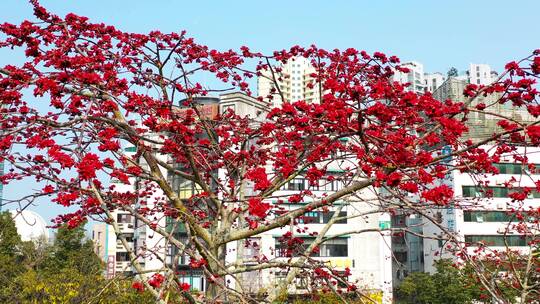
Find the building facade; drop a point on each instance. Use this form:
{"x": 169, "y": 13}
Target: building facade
{"x": 415, "y": 77}
{"x": 481, "y": 74}
{"x": 479, "y": 218}
{"x": 110, "y": 248}
{"x": 433, "y": 81}
{"x": 293, "y": 80}
{"x": 366, "y": 256}
{"x": 417, "y": 254}
{"x": 480, "y": 125}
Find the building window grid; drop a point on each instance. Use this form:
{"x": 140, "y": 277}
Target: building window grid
{"x": 497, "y": 240}
{"x": 496, "y": 192}
{"x": 300, "y": 184}
{"x": 332, "y": 248}
{"x": 516, "y": 168}
{"x": 319, "y": 217}
{"x": 487, "y": 216}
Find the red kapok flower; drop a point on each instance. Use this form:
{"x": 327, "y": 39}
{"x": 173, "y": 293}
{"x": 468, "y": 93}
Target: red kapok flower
{"x": 257, "y": 207}
{"x": 440, "y": 195}
{"x": 138, "y": 286}
{"x": 156, "y": 280}
{"x": 184, "y": 286}
{"x": 88, "y": 166}
{"x": 259, "y": 177}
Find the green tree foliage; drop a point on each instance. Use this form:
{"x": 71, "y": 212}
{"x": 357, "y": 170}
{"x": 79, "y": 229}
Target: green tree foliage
{"x": 71, "y": 250}
{"x": 448, "y": 285}
{"x": 9, "y": 238}
{"x": 452, "y": 72}
{"x": 10, "y": 256}
{"x": 67, "y": 271}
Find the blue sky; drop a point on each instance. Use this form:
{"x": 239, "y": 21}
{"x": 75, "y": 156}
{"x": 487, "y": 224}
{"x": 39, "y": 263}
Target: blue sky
{"x": 439, "y": 34}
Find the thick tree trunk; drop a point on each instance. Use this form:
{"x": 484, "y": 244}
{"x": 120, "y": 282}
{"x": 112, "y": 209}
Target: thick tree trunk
{"x": 216, "y": 285}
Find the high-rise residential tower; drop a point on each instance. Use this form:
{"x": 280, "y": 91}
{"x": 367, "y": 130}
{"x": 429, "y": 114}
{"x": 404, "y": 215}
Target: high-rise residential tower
{"x": 294, "y": 82}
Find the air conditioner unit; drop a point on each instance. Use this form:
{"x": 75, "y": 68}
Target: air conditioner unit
{"x": 501, "y": 230}
{"x": 501, "y": 206}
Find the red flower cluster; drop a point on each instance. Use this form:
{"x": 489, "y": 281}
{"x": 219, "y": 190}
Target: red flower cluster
{"x": 156, "y": 280}
{"x": 139, "y": 286}
{"x": 440, "y": 195}
{"x": 184, "y": 286}
{"x": 257, "y": 208}
{"x": 88, "y": 166}
{"x": 259, "y": 177}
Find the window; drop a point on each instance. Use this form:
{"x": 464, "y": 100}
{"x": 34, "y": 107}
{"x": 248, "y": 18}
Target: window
{"x": 328, "y": 215}
{"x": 296, "y": 184}
{"x": 398, "y": 239}
{"x": 127, "y": 236}
{"x": 195, "y": 279}
{"x": 401, "y": 256}
{"x": 300, "y": 183}
{"x": 174, "y": 254}
{"x": 487, "y": 216}
{"x": 516, "y": 168}
{"x": 186, "y": 188}
{"x": 122, "y": 257}
{"x": 496, "y": 240}
{"x": 474, "y": 191}
{"x": 123, "y": 218}
{"x": 319, "y": 217}
{"x": 326, "y": 185}
{"x": 332, "y": 248}
{"x": 174, "y": 225}
{"x": 310, "y": 218}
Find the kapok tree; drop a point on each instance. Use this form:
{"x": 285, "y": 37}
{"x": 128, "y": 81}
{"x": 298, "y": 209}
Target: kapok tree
{"x": 86, "y": 90}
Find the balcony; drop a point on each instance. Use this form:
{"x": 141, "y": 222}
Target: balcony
{"x": 120, "y": 246}
{"x": 126, "y": 227}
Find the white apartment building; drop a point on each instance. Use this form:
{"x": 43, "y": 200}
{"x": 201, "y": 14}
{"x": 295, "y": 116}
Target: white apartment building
{"x": 107, "y": 245}
{"x": 415, "y": 77}
{"x": 110, "y": 248}
{"x": 480, "y": 74}
{"x": 433, "y": 81}
{"x": 481, "y": 219}
{"x": 294, "y": 84}
{"x": 366, "y": 256}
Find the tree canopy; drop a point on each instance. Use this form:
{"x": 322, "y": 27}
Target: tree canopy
{"x": 86, "y": 91}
